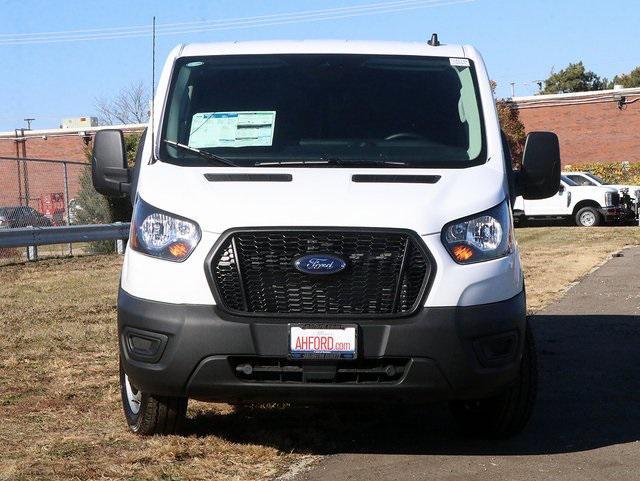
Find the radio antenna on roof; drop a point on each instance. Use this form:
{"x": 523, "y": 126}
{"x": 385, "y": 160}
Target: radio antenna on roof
{"x": 434, "y": 42}
{"x": 153, "y": 88}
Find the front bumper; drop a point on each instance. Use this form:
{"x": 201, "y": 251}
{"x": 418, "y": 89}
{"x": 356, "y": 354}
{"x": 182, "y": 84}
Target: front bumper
{"x": 193, "y": 350}
{"x": 615, "y": 214}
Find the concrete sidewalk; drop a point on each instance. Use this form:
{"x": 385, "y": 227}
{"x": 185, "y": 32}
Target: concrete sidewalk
{"x": 586, "y": 425}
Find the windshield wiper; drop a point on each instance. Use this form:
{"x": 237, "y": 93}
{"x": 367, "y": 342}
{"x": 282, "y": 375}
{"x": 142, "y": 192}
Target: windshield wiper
{"x": 202, "y": 153}
{"x": 367, "y": 163}
{"x": 333, "y": 161}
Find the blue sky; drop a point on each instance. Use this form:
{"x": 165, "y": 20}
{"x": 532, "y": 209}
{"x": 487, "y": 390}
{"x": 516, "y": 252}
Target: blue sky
{"x": 521, "y": 40}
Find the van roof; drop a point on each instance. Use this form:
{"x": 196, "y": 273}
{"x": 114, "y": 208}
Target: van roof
{"x": 321, "y": 46}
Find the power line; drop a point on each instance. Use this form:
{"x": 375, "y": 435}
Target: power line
{"x": 244, "y": 22}
{"x": 143, "y": 28}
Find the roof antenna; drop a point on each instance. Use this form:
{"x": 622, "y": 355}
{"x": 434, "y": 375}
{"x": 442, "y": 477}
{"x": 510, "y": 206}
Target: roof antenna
{"x": 153, "y": 89}
{"x": 434, "y": 42}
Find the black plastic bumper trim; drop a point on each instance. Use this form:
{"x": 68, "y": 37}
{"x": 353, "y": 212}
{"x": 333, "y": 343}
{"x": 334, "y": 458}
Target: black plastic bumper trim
{"x": 202, "y": 342}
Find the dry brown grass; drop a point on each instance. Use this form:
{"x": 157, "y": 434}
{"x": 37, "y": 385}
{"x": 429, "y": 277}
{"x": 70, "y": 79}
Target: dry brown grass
{"x": 59, "y": 401}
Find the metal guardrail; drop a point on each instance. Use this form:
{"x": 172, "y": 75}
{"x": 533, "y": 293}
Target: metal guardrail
{"x": 35, "y": 236}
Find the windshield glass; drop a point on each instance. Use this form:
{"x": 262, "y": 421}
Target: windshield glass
{"x": 581, "y": 179}
{"x": 597, "y": 179}
{"x": 567, "y": 180}
{"x": 268, "y": 109}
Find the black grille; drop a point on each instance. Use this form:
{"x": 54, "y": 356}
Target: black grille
{"x": 386, "y": 273}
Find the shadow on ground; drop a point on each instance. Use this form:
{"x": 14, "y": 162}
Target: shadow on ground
{"x": 589, "y": 397}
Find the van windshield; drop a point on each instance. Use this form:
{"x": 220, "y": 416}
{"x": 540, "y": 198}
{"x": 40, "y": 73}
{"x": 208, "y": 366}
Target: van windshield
{"x": 316, "y": 109}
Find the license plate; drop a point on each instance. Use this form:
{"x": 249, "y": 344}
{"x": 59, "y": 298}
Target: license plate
{"x": 313, "y": 342}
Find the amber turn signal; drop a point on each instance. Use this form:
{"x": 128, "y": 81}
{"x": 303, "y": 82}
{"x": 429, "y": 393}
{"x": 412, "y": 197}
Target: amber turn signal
{"x": 179, "y": 250}
{"x": 462, "y": 252}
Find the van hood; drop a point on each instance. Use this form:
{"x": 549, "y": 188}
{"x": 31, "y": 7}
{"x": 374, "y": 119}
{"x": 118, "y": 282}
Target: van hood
{"x": 321, "y": 197}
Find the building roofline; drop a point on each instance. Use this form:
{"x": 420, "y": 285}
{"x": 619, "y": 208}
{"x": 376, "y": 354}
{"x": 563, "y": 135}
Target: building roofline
{"x": 80, "y": 131}
{"x": 574, "y": 98}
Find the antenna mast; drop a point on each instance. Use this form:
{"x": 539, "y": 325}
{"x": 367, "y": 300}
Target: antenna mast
{"x": 153, "y": 89}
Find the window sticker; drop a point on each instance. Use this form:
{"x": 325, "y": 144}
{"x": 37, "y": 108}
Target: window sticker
{"x": 232, "y": 129}
{"x": 459, "y": 62}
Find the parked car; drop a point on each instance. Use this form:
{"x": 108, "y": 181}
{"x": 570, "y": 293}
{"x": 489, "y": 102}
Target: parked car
{"x": 22, "y": 216}
{"x": 587, "y": 206}
{"x": 589, "y": 179}
{"x": 325, "y": 221}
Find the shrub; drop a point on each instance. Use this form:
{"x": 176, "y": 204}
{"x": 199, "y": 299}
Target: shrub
{"x": 611, "y": 172}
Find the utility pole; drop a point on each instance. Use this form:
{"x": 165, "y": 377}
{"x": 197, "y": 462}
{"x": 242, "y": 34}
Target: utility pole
{"x": 513, "y": 89}
{"x": 28, "y": 121}
{"x": 21, "y": 148}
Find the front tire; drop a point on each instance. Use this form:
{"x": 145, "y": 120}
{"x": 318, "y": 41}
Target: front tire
{"x": 147, "y": 414}
{"x": 507, "y": 414}
{"x": 588, "y": 217}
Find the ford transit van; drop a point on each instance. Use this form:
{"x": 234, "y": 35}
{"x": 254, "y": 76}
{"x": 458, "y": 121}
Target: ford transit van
{"x": 325, "y": 221}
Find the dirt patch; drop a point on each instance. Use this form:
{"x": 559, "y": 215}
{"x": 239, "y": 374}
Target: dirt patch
{"x": 60, "y": 413}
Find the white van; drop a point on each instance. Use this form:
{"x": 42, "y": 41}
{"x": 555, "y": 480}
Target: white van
{"x": 325, "y": 221}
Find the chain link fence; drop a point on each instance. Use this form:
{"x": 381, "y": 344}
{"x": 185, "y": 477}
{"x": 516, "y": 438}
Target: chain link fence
{"x": 45, "y": 193}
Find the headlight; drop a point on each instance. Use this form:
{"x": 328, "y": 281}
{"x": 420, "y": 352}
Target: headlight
{"x": 612, "y": 198}
{"x": 480, "y": 237}
{"x": 160, "y": 234}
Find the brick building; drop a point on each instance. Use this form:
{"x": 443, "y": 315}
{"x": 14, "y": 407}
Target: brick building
{"x": 35, "y": 183}
{"x": 601, "y": 126}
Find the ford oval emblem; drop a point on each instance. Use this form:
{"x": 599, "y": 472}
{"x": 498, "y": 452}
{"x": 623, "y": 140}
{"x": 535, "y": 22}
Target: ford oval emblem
{"x": 319, "y": 264}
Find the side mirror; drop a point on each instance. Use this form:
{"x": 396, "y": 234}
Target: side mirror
{"x": 540, "y": 174}
{"x": 561, "y": 188}
{"x": 110, "y": 174}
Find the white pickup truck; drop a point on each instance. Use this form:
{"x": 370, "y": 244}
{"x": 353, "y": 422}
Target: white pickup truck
{"x": 589, "y": 179}
{"x": 587, "y": 205}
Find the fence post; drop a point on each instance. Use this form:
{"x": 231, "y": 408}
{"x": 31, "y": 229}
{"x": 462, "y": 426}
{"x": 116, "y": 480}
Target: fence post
{"x": 32, "y": 252}
{"x": 66, "y": 200}
{"x": 119, "y": 244}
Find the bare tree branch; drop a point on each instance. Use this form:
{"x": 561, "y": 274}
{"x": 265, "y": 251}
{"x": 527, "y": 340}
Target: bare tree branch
{"x": 129, "y": 106}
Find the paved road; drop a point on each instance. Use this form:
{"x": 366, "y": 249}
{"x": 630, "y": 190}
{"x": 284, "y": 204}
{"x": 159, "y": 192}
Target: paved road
{"x": 587, "y": 421}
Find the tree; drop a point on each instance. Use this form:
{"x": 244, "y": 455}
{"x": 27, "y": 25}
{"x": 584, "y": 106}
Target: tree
{"x": 512, "y": 127}
{"x": 129, "y": 106}
{"x": 574, "y": 78}
{"x": 628, "y": 80}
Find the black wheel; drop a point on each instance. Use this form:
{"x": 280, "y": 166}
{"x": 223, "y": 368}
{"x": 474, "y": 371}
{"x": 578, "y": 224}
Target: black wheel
{"x": 588, "y": 217}
{"x": 507, "y": 414}
{"x": 147, "y": 414}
